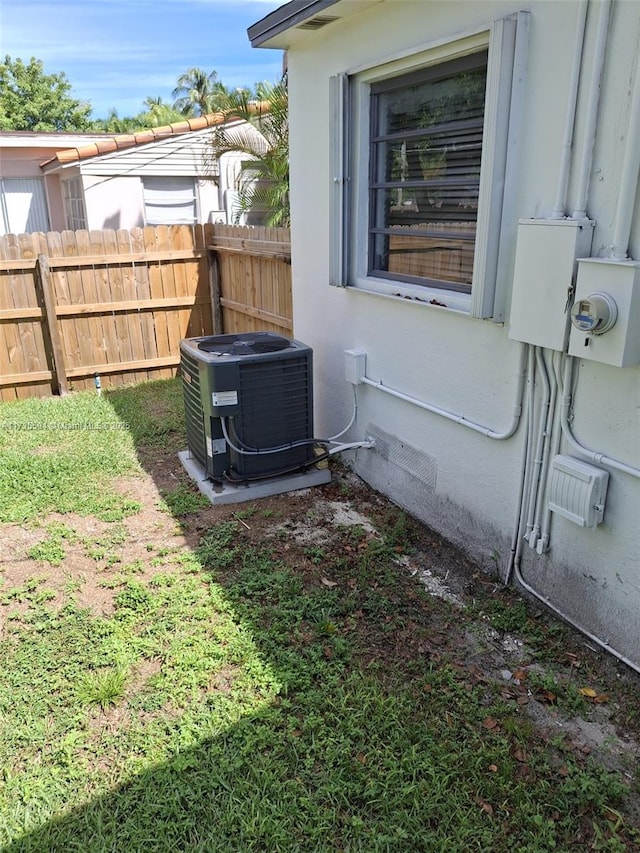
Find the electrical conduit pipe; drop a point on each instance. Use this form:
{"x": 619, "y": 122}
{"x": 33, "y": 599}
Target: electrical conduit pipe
{"x": 517, "y": 546}
{"x": 541, "y": 432}
{"x": 559, "y": 211}
{"x": 600, "y": 49}
{"x": 593, "y": 455}
{"x": 461, "y": 419}
{"x": 536, "y": 540}
{"x": 628, "y": 179}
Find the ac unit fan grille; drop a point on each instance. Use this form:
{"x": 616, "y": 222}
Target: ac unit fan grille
{"x": 244, "y": 345}
{"x": 275, "y": 410}
{"x": 194, "y": 415}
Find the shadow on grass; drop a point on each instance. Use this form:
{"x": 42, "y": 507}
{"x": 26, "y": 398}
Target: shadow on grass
{"x": 375, "y": 741}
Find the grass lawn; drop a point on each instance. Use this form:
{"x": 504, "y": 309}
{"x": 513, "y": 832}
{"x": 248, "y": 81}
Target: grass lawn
{"x": 272, "y": 676}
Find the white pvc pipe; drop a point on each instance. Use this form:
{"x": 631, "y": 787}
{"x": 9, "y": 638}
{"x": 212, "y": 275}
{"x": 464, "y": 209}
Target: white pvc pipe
{"x": 593, "y": 455}
{"x": 352, "y": 445}
{"x": 531, "y": 428}
{"x": 541, "y": 543}
{"x": 514, "y": 565}
{"x": 628, "y": 179}
{"x": 533, "y": 527}
{"x": 602, "y": 643}
{"x": 525, "y": 478}
{"x": 351, "y": 422}
{"x": 461, "y": 419}
{"x": 559, "y": 211}
{"x": 597, "y": 64}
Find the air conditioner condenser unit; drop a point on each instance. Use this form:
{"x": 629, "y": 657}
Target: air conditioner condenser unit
{"x": 248, "y": 405}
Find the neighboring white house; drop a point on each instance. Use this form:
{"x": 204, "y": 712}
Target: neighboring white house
{"x": 164, "y": 175}
{"x": 450, "y": 163}
{"x": 28, "y": 200}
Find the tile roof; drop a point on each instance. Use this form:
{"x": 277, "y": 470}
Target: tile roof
{"x": 121, "y": 141}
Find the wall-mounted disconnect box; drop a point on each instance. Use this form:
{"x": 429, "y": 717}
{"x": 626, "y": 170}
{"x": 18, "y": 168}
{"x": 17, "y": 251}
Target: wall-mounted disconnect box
{"x": 612, "y": 288}
{"x": 355, "y": 365}
{"x": 577, "y": 490}
{"x": 545, "y": 265}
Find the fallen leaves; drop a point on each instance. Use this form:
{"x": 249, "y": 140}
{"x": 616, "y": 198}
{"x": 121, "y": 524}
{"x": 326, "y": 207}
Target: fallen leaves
{"x": 547, "y": 697}
{"x": 485, "y": 806}
{"x": 593, "y": 695}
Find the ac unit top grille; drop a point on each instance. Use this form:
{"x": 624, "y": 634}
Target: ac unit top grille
{"x": 242, "y": 345}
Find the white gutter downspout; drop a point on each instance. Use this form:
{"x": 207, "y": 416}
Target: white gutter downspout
{"x": 628, "y": 179}
{"x": 600, "y": 48}
{"x": 559, "y": 211}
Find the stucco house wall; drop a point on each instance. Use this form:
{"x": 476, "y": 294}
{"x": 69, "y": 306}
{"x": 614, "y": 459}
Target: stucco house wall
{"x": 462, "y": 483}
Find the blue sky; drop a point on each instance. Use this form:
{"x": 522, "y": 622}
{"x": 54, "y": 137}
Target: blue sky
{"x": 115, "y": 53}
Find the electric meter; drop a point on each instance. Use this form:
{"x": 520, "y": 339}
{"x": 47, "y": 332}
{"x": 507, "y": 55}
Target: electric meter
{"x": 596, "y": 313}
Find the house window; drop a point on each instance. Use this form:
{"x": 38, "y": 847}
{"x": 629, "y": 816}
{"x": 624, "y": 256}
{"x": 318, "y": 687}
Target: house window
{"x": 73, "y": 200}
{"x": 23, "y": 206}
{"x": 169, "y": 200}
{"x": 425, "y": 150}
{"x": 423, "y": 163}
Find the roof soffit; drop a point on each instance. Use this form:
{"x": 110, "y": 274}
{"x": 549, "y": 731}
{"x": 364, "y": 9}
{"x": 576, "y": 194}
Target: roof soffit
{"x": 300, "y": 19}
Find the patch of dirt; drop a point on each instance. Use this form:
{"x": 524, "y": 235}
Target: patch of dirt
{"x": 326, "y": 535}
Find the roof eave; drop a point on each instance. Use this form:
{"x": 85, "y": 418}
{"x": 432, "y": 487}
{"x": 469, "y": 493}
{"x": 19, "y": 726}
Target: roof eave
{"x": 265, "y": 31}
{"x": 119, "y": 143}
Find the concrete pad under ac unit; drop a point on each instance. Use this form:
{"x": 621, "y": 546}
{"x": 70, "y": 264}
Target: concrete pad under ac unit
{"x": 231, "y": 493}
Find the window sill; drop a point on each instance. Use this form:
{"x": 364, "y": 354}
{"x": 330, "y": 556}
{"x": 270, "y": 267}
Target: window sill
{"x": 429, "y": 297}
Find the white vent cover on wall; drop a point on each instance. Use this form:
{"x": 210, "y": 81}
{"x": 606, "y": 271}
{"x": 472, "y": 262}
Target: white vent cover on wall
{"x": 577, "y": 490}
{"x": 316, "y": 23}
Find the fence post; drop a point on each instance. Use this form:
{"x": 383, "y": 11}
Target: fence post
{"x": 214, "y": 287}
{"x": 43, "y": 283}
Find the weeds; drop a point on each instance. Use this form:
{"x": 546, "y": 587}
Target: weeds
{"x": 51, "y": 549}
{"x": 183, "y": 500}
{"x": 102, "y": 688}
{"x": 507, "y": 616}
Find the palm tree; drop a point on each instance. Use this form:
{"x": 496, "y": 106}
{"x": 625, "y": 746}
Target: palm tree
{"x": 198, "y": 93}
{"x": 115, "y": 124}
{"x": 158, "y": 114}
{"x": 264, "y": 176}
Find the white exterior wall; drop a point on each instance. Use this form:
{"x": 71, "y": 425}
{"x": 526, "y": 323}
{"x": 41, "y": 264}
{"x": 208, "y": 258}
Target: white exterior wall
{"x": 113, "y": 183}
{"x": 118, "y": 202}
{"x": 467, "y": 485}
{"x": 113, "y": 202}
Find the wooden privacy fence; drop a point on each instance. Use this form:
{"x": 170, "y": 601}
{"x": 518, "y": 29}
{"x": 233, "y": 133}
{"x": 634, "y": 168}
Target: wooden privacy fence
{"x": 251, "y": 278}
{"x": 115, "y": 304}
